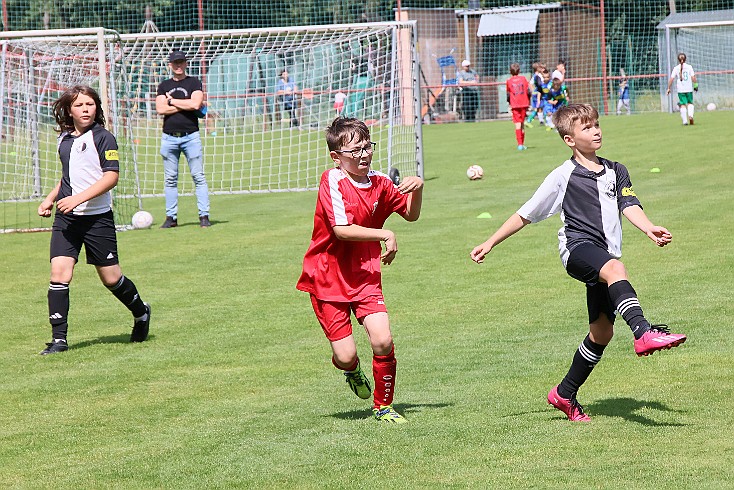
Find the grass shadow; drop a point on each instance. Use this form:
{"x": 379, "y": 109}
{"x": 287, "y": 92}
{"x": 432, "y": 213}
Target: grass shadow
{"x": 403, "y": 408}
{"x": 108, "y": 339}
{"x": 214, "y": 222}
{"x": 628, "y": 409}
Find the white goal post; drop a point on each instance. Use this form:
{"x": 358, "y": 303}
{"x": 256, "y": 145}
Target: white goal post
{"x": 253, "y": 141}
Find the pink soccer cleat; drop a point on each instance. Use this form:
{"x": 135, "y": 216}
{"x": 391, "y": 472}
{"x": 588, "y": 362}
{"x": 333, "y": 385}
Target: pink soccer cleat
{"x": 657, "y": 338}
{"x": 573, "y": 410}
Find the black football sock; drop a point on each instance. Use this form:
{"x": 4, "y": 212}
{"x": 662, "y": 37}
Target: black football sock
{"x": 58, "y": 309}
{"x": 587, "y": 356}
{"x": 127, "y": 293}
{"x": 624, "y": 299}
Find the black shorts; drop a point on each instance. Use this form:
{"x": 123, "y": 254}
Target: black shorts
{"x": 96, "y": 232}
{"x": 584, "y": 263}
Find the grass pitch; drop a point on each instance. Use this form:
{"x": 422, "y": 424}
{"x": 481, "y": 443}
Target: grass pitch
{"x": 235, "y": 388}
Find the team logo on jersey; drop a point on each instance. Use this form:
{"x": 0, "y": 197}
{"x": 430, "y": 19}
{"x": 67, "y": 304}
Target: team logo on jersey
{"x": 111, "y": 155}
{"x": 374, "y": 207}
{"x": 611, "y": 190}
{"x": 627, "y": 191}
{"x": 82, "y": 148}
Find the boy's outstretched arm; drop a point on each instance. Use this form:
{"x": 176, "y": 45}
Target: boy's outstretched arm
{"x": 513, "y": 224}
{"x": 357, "y": 233}
{"x": 414, "y": 186}
{"x": 657, "y": 234}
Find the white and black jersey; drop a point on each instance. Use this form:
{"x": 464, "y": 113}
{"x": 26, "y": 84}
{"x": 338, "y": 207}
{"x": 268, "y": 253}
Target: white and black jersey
{"x": 590, "y": 204}
{"x": 84, "y": 159}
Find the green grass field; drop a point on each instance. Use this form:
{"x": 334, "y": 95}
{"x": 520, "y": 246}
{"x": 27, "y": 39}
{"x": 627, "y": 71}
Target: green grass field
{"x": 235, "y": 387}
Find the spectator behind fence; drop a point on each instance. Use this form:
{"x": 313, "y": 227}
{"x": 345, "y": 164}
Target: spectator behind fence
{"x": 469, "y": 84}
{"x": 286, "y": 92}
{"x": 180, "y": 100}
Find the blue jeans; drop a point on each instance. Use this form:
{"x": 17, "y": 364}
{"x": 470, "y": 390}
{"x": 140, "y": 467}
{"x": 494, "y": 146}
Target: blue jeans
{"x": 171, "y": 148}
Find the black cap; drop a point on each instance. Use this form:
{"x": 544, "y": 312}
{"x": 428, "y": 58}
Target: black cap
{"x": 176, "y": 55}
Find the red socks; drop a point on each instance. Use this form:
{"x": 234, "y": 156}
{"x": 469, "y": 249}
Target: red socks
{"x": 520, "y": 136}
{"x": 349, "y": 368}
{"x": 383, "y": 370}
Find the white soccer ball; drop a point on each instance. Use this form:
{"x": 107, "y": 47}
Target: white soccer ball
{"x": 711, "y": 106}
{"x": 142, "y": 220}
{"x": 475, "y": 172}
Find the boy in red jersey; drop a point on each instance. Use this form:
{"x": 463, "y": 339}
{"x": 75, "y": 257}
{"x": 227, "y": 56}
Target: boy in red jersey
{"x": 341, "y": 268}
{"x": 518, "y": 96}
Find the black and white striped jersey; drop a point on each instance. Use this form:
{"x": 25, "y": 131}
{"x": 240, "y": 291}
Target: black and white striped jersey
{"x": 84, "y": 159}
{"x": 590, "y": 204}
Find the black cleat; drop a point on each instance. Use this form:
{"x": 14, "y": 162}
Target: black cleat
{"x": 141, "y": 327}
{"x": 169, "y": 223}
{"x": 58, "y": 345}
{"x": 204, "y": 221}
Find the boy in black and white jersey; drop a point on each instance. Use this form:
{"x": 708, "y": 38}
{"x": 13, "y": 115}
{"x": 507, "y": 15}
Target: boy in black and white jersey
{"x": 591, "y": 194}
{"x": 90, "y": 169}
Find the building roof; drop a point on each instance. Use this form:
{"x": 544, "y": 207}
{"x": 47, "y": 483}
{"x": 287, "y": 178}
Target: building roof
{"x": 516, "y": 8}
{"x": 512, "y": 22}
{"x": 711, "y": 17}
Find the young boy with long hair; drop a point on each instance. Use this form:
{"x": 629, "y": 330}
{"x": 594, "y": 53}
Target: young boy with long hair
{"x": 90, "y": 170}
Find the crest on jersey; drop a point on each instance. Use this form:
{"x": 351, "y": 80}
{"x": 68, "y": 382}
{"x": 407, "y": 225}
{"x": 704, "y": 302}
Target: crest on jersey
{"x": 611, "y": 190}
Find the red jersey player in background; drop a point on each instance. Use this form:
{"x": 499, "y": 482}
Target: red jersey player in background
{"x": 518, "y": 96}
{"x": 341, "y": 269}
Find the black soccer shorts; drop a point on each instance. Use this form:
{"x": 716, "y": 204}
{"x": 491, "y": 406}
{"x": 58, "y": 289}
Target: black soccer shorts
{"x": 96, "y": 232}
{"x": 584, "y": 263}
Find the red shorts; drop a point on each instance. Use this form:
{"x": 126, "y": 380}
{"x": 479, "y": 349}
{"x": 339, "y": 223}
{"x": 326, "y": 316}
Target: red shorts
{"x": 518, "y": 114}
{"x": 334, "y": 317}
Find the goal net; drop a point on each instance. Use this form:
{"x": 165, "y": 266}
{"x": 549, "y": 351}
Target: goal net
{"x": 254, "y": 139}
{"x": 36, "y": 67}
{"x": 258, "y": 140}
{"x": 706, "y": 40}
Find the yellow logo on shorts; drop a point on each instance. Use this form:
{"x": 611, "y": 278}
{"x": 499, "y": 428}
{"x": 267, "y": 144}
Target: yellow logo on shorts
{"x": 111, "y": 155}
{"x": 627, "y": 191}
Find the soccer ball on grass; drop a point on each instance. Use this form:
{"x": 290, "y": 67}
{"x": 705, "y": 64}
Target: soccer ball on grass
{"x": 711, "y": 106}
{"x": 475, "y": 172}
{"x": 142, "y": 220}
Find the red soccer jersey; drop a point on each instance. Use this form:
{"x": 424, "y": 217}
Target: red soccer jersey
{"x": 340, "y": 270}
{"x": 517, "y": 88}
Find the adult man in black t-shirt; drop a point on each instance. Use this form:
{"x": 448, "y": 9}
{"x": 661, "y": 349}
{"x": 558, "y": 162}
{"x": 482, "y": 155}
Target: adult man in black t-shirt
{"x": 180, "y": 100}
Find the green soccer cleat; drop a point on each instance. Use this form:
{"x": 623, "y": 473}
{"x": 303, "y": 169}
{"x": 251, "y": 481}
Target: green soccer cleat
{"x": 388, "y": 414}
{"x": 359, "y": 383}
{"x": 528, "y": 125}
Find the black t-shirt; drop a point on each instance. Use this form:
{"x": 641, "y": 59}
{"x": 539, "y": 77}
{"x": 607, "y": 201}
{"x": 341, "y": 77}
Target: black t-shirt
{"x": 182, "y": 121}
